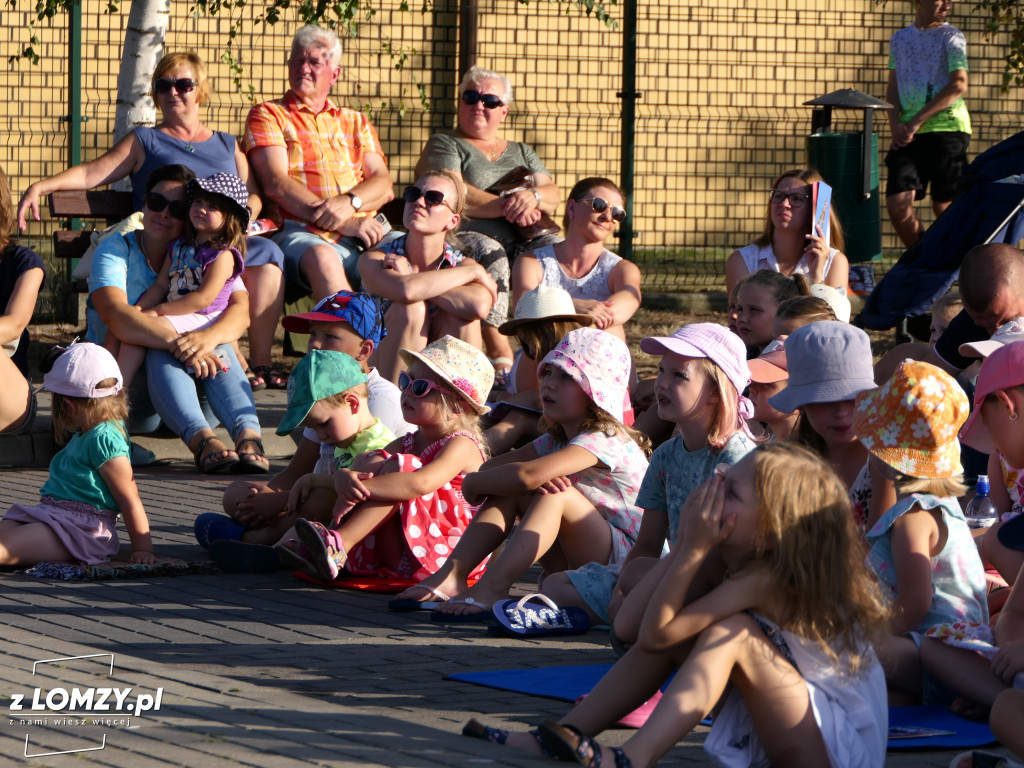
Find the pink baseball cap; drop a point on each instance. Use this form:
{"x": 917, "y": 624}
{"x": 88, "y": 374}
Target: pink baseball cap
{"x": 770, "y": 366}
{"x": 77, "y": 371}
{"x": 1001, "y": 369}
{"x": 599, "y": 362}
{"x": 715, "y": 342}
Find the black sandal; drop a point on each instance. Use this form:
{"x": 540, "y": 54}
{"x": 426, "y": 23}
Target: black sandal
{"x": 208, "y": 465}
{"x": 477, "y": 730}
{"x": 248, "y": 462}
{"x": 274, "y": 378}
{"x": 572, "y": 745}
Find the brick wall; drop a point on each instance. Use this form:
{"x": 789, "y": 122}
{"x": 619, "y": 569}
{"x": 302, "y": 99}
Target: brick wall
{"x": 720, "y": 116}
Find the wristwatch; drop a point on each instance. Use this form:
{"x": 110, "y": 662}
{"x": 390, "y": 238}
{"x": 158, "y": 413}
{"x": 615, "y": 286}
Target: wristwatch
{"x": 357, "y": 202}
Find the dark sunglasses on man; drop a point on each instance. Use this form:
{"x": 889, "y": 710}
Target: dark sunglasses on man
{"x": 181, "y": 85}
{"x": 489, "y": 99}
{"x": 157, "y": 202}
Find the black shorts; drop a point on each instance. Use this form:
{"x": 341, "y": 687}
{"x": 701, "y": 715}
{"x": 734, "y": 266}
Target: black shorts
{"x": 938, "y": 158}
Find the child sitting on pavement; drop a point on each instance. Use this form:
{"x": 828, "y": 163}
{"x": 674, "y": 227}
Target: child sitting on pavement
{"x": 326, "y": 392}
{"x": 345, "y": 322}
{"x": 401, "y": 509}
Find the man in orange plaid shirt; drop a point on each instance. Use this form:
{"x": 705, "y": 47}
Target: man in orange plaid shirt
{"x": 323, "y": 167}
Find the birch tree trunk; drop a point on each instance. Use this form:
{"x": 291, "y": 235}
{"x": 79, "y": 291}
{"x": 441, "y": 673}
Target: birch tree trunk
{"x": 143, "y": 47}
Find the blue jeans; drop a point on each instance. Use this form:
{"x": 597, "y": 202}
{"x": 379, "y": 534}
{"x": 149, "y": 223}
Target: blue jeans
{"x": 176, "y": 396}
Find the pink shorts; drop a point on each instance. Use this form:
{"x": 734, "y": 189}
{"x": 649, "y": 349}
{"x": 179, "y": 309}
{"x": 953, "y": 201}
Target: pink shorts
{"x": 88, "y": 534}
{"x": 191, "y": 322}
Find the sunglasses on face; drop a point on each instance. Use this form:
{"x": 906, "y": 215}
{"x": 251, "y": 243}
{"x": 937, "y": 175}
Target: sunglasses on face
{"x": 489, "y": 99}
{"x": 157, "y": 202}
{"x": 181, "y": 85}
{"x": 420, "y": 387}
{"x": 600, "y": 205}
{"x": 431, "y": 197}
{"x": 796, "y": 199}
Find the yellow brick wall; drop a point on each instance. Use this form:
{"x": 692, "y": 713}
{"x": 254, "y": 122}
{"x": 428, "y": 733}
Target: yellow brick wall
{"x": 720, "y": 116}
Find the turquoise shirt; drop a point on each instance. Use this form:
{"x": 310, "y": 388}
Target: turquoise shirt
{"x": 75, "y": 470}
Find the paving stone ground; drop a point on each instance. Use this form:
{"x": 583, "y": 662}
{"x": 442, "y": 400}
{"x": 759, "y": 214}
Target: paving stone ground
{"x": 261, "y": 670}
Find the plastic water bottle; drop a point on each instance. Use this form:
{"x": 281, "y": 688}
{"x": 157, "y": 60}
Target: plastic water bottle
{"x": 981, "y": 512}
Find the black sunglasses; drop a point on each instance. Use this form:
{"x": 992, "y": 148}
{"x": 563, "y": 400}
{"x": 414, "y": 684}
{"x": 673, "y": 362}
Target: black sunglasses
{"x": 432, "y": 197}
{"x": 600, "y": 205}
{"x": 181, "y": 85}
{"x": 157, "y": 202}
{"x": 489, "y": 99}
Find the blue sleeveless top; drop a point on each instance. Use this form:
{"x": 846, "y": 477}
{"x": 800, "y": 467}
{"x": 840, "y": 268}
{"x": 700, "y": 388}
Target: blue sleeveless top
{"x": 215, "y": 155}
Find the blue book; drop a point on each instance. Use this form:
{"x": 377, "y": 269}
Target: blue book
{"x": 821, "y": 194}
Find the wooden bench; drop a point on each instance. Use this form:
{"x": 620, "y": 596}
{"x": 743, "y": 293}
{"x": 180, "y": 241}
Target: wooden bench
{"x": 101, "y": 207}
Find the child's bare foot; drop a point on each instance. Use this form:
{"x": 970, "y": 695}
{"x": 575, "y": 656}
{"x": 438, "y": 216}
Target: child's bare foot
{"x": 476, "y": 599}
{"x": 438, "y": 586}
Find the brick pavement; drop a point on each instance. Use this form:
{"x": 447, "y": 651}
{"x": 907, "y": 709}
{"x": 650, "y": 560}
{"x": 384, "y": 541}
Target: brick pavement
{"x": 263, "y": 670}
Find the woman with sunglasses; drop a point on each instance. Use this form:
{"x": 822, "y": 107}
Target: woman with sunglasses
{"x": 787, "y": 244}
{"x": 180, "y": 87}
{"x": 602, "y": 285}
{"x": 179, "y": 367}
{"x": 427, "y": 287}
{"x": 478, "y": 153}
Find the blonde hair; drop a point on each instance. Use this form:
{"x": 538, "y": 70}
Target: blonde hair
{"x": 183, "y": 58}
{"x": 337, "y": 400}
{"x": 457, "y": 415}
{"x": 541, "y": 336}
{"x": 810, "y": 175}
{"x": 826, "y": 592}
{"x": 726, "y": 420}
{"x": 805, "y": 309}
{"x": 7, "y": 211}
{"x": 458, "y": 204}
{"x": 476, "y": 75}
{"x": 599, "y": 420}
{"x": 93, "y": 410}
{"x": 948, "y": 306}
{"x": 934, "y": 486}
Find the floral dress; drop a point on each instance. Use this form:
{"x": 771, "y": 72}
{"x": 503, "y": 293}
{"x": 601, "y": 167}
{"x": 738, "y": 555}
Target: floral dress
{"x": 430, "y": 526}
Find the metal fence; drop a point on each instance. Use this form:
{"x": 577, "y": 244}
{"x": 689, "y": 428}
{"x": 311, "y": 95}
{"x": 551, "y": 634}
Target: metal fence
{"x": 720, "y": 114}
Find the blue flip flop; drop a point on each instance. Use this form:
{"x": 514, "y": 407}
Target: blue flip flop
{"x": 408, "y": 604}
{"x": 463, "y": 618}
{"x": 518, "y": 619}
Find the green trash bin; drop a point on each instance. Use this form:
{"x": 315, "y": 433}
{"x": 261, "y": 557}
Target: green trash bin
{"x": 839, "y": 158}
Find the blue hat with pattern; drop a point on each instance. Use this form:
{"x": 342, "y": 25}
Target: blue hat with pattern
{"x": 360, "y": 310}
{"x": 226, "y": 185}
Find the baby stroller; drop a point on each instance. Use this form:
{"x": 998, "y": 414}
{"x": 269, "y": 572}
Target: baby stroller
{"x": 986, "y": 210}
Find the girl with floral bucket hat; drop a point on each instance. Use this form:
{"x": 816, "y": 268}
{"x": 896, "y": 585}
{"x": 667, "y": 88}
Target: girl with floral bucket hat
{"x": 400, "y": 510}
{"x": 572, "y": 489}
{"x": 909, "y": 426}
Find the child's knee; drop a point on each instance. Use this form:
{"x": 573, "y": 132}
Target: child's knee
{"x": 235, "y": 493}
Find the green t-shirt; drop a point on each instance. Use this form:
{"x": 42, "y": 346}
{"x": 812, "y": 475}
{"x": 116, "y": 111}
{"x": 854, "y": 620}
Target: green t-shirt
{"x": 923, "y": 59}
{"x": 75, "y": 470}
{"x": 370, "y": 439}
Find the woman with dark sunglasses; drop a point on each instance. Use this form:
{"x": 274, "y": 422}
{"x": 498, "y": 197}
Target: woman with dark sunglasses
{"x": 602, "y": 285}
{"x": 180, "y": 87}
{"x": 190, "y": 377}
{"x": 787, "y": 244}
{"x": 428, "y": 289}
{"x": 484, "y": 159}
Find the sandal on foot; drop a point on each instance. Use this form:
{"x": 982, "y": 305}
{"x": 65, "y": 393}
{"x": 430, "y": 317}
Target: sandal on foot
{"x": 208, "y": 463}
{"x": 256, "y": 382}
{"x": 572, "y": 745}
{"x": 249, "y": 462}
{"x": 325, "y": 554}
{"x": 982, "y": 758}
{"x": 410, "y": 604}
{"x": 484, "y": 614}
{"x": 295, "y": 555}
{"x": 274, "y": 378}
{"x": 477, "y": 730}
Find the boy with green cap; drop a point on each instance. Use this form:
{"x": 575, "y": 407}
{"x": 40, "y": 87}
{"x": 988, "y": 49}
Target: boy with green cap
{"x": 327, "y": 393}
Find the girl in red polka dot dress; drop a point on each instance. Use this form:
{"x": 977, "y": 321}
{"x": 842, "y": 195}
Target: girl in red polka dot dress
{"x": 400, "y": 510}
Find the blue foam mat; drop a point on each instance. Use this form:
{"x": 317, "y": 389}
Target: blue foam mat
{"x": 567, "y": 683}
{"x": 967, "y": 734}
